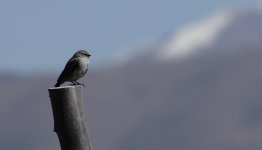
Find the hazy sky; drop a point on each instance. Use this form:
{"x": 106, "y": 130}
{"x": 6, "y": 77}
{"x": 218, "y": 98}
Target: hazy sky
{"x": 42, "y": 35}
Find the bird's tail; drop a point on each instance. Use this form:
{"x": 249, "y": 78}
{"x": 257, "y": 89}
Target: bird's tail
{"x": 58, "y": 84}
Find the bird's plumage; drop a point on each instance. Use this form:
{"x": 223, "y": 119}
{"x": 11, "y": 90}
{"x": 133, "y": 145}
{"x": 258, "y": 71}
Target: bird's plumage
{"x": 75, "y": 68}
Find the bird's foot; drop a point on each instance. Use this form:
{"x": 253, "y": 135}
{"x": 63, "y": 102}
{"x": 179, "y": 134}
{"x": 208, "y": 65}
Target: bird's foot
{"x": 77, "y": 83}
{"x": 74, "y": 83}
{"x": 82, "y": 85}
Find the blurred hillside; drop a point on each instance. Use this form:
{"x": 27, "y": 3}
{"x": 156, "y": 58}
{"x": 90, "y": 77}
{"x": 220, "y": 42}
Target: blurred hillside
{"x": 210, "y": 100}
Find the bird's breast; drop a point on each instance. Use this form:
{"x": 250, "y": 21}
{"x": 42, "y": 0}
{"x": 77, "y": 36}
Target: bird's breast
{"x": 83, "y": 63}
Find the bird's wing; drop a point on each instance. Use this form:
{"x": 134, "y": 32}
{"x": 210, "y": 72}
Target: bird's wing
{"x": 70, "y": 67}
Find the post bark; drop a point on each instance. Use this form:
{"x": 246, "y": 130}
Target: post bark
{"x": 67, "y": 106}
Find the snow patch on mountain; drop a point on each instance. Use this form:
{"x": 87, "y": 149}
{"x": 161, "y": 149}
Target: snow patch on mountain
{"x": 195, "y": 36}
{"x": 225, "y": 30}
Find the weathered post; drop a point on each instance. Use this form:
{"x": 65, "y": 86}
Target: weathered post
{"x": 68, "y": 117}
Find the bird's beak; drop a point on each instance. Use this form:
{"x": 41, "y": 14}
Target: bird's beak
{"x": 88, "y": 55}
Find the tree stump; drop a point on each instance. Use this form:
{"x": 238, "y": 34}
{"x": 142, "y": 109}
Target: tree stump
{"x": 67, "y": 106}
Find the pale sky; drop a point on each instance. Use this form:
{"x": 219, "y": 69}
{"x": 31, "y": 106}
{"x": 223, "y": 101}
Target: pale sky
{"x": 40, "y": 36}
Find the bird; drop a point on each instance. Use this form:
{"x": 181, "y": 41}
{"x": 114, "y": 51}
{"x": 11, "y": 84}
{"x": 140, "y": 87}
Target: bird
{"x": 75, "y": 68}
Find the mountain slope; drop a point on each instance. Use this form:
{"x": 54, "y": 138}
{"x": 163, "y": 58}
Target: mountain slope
{"x": 204, "y": 103}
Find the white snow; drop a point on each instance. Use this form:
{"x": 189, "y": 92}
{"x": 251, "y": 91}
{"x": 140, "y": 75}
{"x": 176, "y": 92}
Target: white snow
{"x": 186, "y": 41}
{"x": 195, "y": 36}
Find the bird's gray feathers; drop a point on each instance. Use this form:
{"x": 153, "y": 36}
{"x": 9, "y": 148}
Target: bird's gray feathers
{"x": 81, "y": 53}
{"x": 71, "y": 66}
{"x": 75, "y": 68}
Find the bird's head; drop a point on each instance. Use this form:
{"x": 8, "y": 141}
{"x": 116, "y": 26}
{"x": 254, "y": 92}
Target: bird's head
{"x": 81, "y": 53}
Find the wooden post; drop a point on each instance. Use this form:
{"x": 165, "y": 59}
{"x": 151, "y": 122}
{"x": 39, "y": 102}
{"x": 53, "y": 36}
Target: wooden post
{"x": 68, "y": 117}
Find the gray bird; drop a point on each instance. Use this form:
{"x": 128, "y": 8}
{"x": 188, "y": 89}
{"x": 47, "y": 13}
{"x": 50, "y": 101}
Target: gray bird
{"x": 75, "y": 68}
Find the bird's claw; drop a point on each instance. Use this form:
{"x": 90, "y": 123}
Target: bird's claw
{"x": 77, "y": 83}
{"x": 82, "y": 85}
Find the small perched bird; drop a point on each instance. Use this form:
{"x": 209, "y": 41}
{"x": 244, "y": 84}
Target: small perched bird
{"x": 75, "y": 68}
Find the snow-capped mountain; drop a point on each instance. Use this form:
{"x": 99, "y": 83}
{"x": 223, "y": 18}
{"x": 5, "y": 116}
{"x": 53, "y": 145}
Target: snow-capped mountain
{"x": 195, "y": 37}
{"x": 224, "y": 31}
